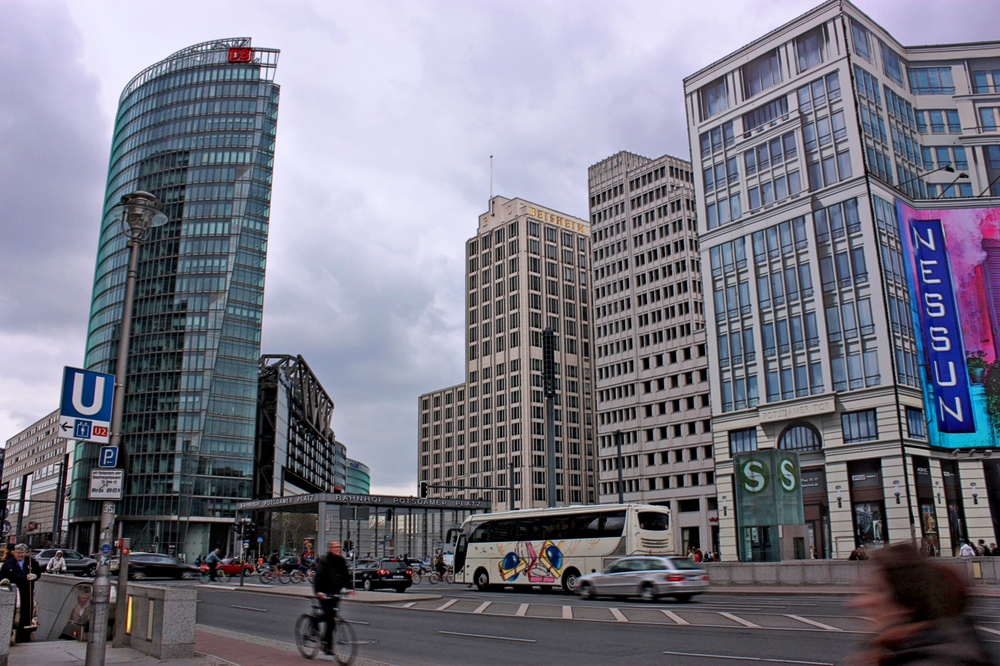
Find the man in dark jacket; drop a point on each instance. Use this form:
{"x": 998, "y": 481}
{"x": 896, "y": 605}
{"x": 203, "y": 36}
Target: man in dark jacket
{"x": 22, "y": 570}
{"x": 331, "y": 577}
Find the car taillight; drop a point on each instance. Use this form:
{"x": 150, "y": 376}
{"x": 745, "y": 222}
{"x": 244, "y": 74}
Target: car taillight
{"x": 383, "y": 572}
{"x": 409, "y": 572}
{"x": 675, "y": 578}
{"x": 706, "y": 577}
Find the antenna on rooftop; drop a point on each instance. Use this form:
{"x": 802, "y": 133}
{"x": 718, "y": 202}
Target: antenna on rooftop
{"x": 491, "y": 186}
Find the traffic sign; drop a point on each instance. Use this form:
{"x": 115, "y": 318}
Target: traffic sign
{"x": 106, "y": 484}
{"x": 260, "y": 539}
{"x": 106, "y": 549}
{"x": 85, "y": 409}
{"x": 108, "y": 457}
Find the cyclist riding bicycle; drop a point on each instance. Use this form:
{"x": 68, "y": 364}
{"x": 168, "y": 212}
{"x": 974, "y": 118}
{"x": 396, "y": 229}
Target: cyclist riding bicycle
{"x": 331, "y": 577}
{"x": 274, "y": 560}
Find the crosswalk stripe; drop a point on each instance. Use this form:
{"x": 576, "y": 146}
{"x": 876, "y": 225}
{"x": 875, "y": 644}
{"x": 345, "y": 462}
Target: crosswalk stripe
{"x": 567, "y": 612}
{"x": 988, "y": 630}
{"x": 447, "y": 604}
{"x": 410, "y": 605}
{"x": 482, "y": 607}
{"x": 814, "y": 623}
{"x": 521, "y": 610}
{"x": 618, "y": 615}
{"x": 745, "y": 623}
{"x": 675, "y": 617}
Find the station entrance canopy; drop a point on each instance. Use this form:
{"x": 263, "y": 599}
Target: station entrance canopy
{"x": 383, "y": 525}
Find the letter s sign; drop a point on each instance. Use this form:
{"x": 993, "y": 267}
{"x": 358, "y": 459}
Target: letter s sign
{"x": 755, "y": 476}
{"x": 788, "y": 475}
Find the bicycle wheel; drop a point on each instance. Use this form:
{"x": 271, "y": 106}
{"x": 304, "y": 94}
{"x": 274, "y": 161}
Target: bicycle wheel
{"x": 266, "y": 577}
{"x": 434, "y": 578}
{"x": 307, "y": 636}
{"x": 416, "y": 578}
{"x": 345, "y": 643}
{"x": 221, "y": 577}
{"x": 283, "y": 577}
{"x": 449, "y": 577}
{"x": 295, "y": 577}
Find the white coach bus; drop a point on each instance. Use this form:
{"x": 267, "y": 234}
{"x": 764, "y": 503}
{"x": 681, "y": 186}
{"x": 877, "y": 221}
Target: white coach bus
{"x": 554, "y": 547}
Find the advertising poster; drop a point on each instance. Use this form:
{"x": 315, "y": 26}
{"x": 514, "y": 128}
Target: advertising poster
{"x": 952, "y": 262}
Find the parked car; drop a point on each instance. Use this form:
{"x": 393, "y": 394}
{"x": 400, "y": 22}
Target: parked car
{"x": 231, "y": 567}
{"x": 76, "y": 564}
{"x": 646, "y": 577}
{"x": 374, "y": 574}
{"x": 153, "y": 565}
{"x": 289, "y": 563}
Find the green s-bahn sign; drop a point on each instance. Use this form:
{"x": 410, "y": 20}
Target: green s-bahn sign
{"x": 768, "y": 488}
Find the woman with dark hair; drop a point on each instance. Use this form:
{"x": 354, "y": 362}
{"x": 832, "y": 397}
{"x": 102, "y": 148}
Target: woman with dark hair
{"x": 918, "y": 607}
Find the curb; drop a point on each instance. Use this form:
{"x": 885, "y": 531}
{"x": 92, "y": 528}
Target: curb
{"x": 359, "y": 597}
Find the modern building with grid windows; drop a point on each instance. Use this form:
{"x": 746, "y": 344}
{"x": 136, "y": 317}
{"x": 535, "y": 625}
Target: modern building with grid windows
{"x": 651, "y": 363}
{"x": 527, "y": 270}
{"x": 803, "y": 142}
{"x": 196, "y": 130}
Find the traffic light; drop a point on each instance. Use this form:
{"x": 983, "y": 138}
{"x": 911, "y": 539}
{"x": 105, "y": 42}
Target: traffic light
{"x": 423, "y": 490}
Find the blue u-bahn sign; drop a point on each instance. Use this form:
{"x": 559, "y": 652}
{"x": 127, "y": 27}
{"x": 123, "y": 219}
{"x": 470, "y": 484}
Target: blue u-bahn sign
{"x": 85, "y": 408}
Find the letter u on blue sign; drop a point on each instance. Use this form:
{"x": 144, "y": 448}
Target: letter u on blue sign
{"x": 941, "y": 326}
{"x": 87, "y": 395}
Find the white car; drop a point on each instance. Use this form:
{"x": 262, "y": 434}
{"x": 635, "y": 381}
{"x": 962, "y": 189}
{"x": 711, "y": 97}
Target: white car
{"x": 647, "y": 577}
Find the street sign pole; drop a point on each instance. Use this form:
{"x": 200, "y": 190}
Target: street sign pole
{"x": 101, "y": 599}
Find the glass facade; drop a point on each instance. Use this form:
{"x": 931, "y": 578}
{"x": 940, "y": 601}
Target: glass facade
{"x": 196, "y": 130}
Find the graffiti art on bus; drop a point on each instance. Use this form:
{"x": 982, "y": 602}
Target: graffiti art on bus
{"x": 545, "y": 566}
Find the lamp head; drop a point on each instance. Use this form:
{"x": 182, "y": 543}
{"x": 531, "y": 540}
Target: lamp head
{"x": 949, "y": 169}
{"x": 139, "y": 212}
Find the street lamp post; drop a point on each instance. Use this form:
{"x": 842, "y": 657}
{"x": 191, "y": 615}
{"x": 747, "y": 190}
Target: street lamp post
{"x": 139, "y": 212}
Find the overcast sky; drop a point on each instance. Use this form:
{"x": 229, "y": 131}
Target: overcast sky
{"x": 389, "y": 112}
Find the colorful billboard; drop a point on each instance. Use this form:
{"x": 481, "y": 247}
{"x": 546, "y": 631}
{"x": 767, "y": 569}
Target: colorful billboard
{"x": 952, "y": 261}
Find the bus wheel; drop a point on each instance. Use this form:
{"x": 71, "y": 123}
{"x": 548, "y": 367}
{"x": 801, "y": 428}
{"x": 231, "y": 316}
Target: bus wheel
{"x": 570, "y": 580}
{"x": 482, "y": 579}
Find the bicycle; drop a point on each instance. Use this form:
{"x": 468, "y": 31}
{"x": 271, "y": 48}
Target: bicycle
{"x": 436, "y": 577}
{"x": 268, "y": 575}
{"x": 309, "y": 630}
{"x": 221, "y": 578}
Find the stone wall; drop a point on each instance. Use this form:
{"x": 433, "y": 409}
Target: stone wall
{"x": 977, "y": 571}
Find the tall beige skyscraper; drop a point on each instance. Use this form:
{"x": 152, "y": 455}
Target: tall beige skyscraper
{"x": 527, "y": 269}
{"x": 650, "y": 359}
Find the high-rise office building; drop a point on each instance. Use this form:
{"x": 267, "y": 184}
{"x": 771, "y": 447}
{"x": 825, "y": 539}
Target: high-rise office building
{"x": 650, "y": 358}
{"x": 526, "y": 270}
{"x": 36, "y": 468}
{"x": 803, "y": 141}
{"x": 196, "y": 130}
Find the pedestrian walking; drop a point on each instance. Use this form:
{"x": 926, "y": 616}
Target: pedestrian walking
{"x": 57, "y": 564}
{"x": 21, "y": 571}
{"x": 918, "y": 609}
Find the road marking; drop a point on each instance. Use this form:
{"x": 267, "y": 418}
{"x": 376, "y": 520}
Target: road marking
{"x": 409, "y": 605}
{"x": 745, "y": 623}
{"x": 987, "y": 630}
{"x": 675, "y": 617}
{"x": 493, "y": 638}
{"x": 814, "y": 623}
{"x": 762, "y": 659}
{"x": 483, "y": 606}
{"x": 521, "y": 610}
{"x": 447, "y": 604}
{"x": 567, "y": 612}
{"x": 618, "y": 615}
{"x": 259, "y": 610}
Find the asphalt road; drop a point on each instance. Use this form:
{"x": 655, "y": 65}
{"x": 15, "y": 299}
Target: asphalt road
{"x": 470, "y": 627}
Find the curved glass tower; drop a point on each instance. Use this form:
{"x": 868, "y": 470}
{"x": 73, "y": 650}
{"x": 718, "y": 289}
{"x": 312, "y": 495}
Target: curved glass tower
{"x": 196, "y": 130}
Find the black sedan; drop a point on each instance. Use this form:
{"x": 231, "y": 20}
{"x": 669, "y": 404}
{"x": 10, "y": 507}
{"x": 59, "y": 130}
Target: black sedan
{"x": 374, "y": 574}
{"x": 76, "y": 564}
{"x": 153, "y": 565}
